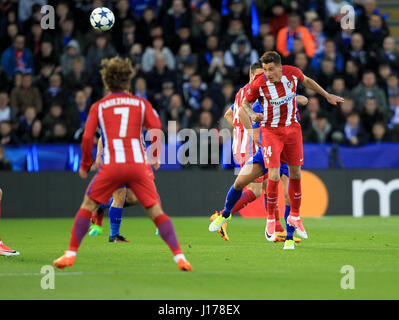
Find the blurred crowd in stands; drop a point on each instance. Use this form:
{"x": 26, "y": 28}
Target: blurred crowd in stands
{"x": 190, "y": 58}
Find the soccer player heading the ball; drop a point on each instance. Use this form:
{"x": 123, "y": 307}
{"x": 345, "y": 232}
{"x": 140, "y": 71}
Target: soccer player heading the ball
{"x": 121, "y": 117}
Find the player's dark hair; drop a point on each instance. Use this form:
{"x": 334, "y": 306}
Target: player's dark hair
{"x": 269, "y": 57}
{"x": 254, "y": 66}
{"x": 117, "y": 74}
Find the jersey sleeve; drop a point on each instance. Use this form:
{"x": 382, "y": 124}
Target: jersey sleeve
{"x": 154, "y": 126}
{"x": 88, "y": 135}
{"x": 252, "y": 92}
{"x": 296, "y": 72}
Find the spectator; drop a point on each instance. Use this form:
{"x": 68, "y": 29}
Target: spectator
{"x": 194, "y": 91}
{"x": 380, "y": 133}
{"x": 25, "y": 8}
{"x": 237, "y": 12}
{"x": 102, "y": 49}
{"x": 72, "y": 52}
{"x": 334, "y": 7}
{"x": 46, "y": 55}
{"x": 205, "y": 56}
{"x": 257, "y": 41}
{"x": 126, "y": 37}
{"x": 371, "y": 114}
{"x": 26, "y": 95}
{"x": 340, "y": 113}
{"x": 278, "y": 18}
{"x": 7, "y": 39}
{"x": 343, "y": 40}
{"x": 388, "y": 54}
{"x": 392, "y": 85}
{"x": 176, "y": 17}
{"x": 208, "y": 29}
{"x": 34, "y": 38}
{"x": 376, "y": 32}
{"x": 268, "y": 44}
{"x": 228, "y": 93}
{"x": 294, "y": 30}
{"x": 140, "y": 88}
{"x": 240, "y": 57}
{"x": 122, "y": 14}
{"x": 26, "y": 121}
{"x": 6, "y": 113}
{"x": 184, "y": 56}
{"x": 59, "y": 134}
{"x": 68, "y": 34}
{"x": 35, "y": 135}
{"x": 43, "y": 80}
{"x": 208, "y": 105}
{"x": 188, "y": 70}
{"x": 394, "y": 108}
{"x": 318, "y": 36}
{"x": 5, "y": 164}
{"x": 55, "y": 92}
{"x": 327, "y": 73}
{"x": 159, "y": 74}
{"x": 136, "y": 55}
{"x": 351, "y": 75}
{"x": 339, "y": 88}
{"x": 357, "y": 50}
{"x": 7, "y": 134}
{"x": 234, "y": 30}
{"x": 302, "y": 62}
{"x": 17, "y": 57}
{"x": 146, "y": 22}
{"x": 354, "y": 134}
{"x": 76, "y": 78}
{"x": 384, "y": 71}
{"x": 54, "y": 116}
{"x": 78, "y": 112}
{"x": 35, "y": 18}
{"x": 202, "y": 15}
{"x": 369, "y": 88}
{"x": 175, "y": 112}
{"x": 62, "y": 13}
{"x": 138, "y": 6}
{"x": 321, "y": 130}
{"x": 218, "y": 70}
{"x": 330, "y": 52}
{"x": 309, "y": 114}
{"x": 157, "y": 48}
{"x": 168, "y": 89}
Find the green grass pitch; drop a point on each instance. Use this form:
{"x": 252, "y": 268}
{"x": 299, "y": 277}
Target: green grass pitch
{"x": 246, "y": 267}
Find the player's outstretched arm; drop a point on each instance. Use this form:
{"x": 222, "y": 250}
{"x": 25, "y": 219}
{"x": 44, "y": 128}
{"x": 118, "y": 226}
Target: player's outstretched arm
{"x": 100, "y": 147}
{"x": 313, "y": 85}
{"x": 87, "y": 141}
{"x": 229, "y": 116}
{"x": 244, "y": 119}
{"x": 256, "y": 117}
{"x": 301, "y": 100}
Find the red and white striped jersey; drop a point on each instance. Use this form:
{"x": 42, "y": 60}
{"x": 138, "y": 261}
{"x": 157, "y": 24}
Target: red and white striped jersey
{"x": 121, "y": 117}
{"x": 278, "y": 99}
{"x": 242, "y": 140}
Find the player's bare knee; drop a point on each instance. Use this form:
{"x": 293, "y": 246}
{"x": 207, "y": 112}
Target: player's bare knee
{"x": 119, "y": 198}
{"x": 154, "y": 211}
{"x": 1, "y": 194}
{"x": 89, "y": 204}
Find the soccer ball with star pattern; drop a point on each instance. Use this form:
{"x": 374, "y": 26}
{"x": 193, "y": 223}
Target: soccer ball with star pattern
{"x": 102, "y": 19}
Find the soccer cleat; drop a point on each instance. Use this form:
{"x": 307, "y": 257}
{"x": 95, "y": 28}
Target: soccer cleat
{"x": 223, "y": 229}
{"x": 270, "y": 233}
{"x": 6, "y": 251}
{"x": 95, "y": 230}
{"x": 218, "y": 222}
{"x": 184, "y": 265}
{"x": 296, "y": 222}
{"x": 118, "y": 238}
{"x": 64, "y": 261}
{"x": 289, "y": 245}
{"x": 280, "y": 237}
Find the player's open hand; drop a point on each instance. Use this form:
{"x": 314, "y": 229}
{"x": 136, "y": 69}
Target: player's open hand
{"x": 82, "y": 173}
{"x": 334, "y": 100}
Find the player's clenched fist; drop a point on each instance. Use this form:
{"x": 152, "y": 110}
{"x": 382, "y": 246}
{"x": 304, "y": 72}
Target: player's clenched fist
{"x": 258, "y": 117}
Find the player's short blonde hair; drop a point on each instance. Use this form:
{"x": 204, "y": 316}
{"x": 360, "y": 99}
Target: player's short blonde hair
{"x": 117, "y": 74}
